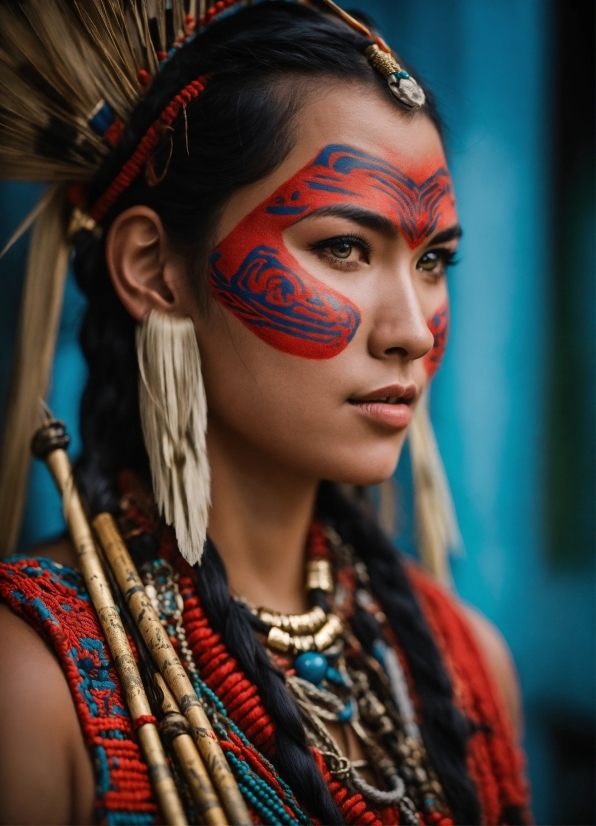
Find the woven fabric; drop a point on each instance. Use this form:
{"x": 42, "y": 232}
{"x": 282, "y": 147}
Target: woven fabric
{"x": 52, "y": 599}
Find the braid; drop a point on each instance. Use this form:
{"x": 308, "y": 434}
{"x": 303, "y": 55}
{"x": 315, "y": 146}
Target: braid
{"x": 444, "y": 729}
{"x": 292, "y": 758}
{"x": 110, "y": 422}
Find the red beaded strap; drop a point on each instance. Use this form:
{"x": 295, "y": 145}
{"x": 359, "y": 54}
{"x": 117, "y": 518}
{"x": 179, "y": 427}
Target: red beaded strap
{"x": 142, "y": 153}
{"x": 143, "y": 720}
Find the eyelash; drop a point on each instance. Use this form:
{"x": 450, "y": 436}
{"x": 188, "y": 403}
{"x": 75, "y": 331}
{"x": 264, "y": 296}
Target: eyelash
{"x": 321, "y": 250}
{"x": 447, "y": 257}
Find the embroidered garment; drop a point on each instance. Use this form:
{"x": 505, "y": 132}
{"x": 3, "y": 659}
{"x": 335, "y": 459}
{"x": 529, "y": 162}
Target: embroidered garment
{"x": 53, "y": 600}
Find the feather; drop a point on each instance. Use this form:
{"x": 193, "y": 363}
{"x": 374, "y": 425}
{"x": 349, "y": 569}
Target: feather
{"x": 436, "y": 522}
{"x": 38, "y": 328}
{"x": 173, "y": 408}
{"x": 60, "y": 61}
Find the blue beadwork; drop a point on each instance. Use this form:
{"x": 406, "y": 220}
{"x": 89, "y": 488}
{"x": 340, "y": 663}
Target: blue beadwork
{"x": 333, "y": 676}
{"x": 346, "y": 715}
{"x": 403, "y": 74}
{"x": 102, "y": 120}
{"x": 268, "y": 795}
{"x": 312, "y": 667}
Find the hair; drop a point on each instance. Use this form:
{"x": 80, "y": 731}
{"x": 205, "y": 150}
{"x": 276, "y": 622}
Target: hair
{"x": 262, "y": 61}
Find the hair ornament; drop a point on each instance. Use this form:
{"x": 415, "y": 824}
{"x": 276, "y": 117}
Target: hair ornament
{"x": 402, "y": 84}
{"x": 379, "y": 55}
{"x": 71, "y": 75}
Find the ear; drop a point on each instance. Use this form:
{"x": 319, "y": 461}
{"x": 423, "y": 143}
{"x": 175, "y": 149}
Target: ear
{"x": 145, "y": 272}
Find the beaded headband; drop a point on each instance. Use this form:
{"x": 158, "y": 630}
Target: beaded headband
{"x": 400, "y": 82}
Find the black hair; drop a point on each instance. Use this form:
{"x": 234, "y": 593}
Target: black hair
{"x": 262, "y": 62}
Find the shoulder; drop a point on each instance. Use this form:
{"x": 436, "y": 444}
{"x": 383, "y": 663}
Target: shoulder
{"x": 60, "y": 550}
{"x": 464, "y": 631}
{"x": 498, "y": 658}
{"x": 41, "y": 743}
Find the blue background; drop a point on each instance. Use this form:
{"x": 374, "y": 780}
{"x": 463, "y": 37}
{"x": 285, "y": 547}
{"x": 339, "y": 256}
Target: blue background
{"x": 490, "y": 65}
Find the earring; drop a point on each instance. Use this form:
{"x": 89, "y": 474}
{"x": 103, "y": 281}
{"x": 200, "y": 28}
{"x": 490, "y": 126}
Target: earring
{"x": 437, "y": 530}
{"x": 173, "y": 410}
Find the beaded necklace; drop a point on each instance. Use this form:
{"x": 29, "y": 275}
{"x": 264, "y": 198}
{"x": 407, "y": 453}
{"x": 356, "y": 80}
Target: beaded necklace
{"x": 332, "y": 678}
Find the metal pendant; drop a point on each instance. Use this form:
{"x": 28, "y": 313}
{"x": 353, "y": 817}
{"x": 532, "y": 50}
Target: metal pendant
{"x": 406, "y": 90}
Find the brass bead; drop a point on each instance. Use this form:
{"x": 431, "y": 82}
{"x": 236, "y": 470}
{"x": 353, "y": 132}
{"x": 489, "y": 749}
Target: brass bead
{"x": 328, "y": 633}
{"x": 279, "y": 640}
{"x": 383, "y": 62}
{"x": 301, "y": 644}
{"x": 295, "y": 623}
{"x": 319, "y": 575}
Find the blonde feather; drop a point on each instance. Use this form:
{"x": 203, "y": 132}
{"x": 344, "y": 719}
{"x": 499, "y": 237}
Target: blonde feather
{"x": 174, "y": 420}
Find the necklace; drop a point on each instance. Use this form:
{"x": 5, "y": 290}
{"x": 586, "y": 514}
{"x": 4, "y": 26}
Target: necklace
{"x": 334, "y": 680}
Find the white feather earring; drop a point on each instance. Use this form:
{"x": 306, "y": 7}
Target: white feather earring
{"x": 436, "y": 522}
{"x": 174, "y": 419}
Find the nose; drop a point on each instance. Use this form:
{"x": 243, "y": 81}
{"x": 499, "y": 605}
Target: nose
{"x": 399, "y": 327}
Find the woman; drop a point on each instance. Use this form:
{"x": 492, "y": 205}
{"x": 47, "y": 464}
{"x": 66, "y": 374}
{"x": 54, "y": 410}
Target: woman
{"x": 293, "y": 215}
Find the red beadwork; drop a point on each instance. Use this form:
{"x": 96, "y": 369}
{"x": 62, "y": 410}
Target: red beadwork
{"x": 143, "y": 720}
{"x": 494, "y": 761}
{"x": 147, "y": 144}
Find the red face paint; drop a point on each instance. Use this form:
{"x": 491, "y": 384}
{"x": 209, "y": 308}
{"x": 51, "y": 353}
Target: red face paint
{"x": 439, "y": 327}
{"x": 253, "y": 274}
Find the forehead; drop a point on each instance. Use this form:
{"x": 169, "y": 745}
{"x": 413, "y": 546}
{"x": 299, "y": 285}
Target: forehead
{"x": 352, "y": 115}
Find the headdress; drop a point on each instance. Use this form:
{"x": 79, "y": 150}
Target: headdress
{"x": 71, "y": 74}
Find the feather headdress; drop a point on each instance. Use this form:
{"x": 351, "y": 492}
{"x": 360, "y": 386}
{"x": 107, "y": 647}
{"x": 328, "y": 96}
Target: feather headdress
{"x": 71, "y": 74}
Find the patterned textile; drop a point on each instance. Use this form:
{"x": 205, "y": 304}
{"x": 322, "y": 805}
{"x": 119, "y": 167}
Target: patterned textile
{"x": 52, "y": 599}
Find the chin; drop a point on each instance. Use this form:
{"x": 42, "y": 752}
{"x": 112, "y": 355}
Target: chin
{"x": 366, "y": 467}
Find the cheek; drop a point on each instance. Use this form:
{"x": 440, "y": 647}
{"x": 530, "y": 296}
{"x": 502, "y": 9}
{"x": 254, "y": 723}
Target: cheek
{"x": 282, "y": 303}
{"x": 438, "y": 324}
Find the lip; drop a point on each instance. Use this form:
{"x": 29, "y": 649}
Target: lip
{"x": 395, "y": 414}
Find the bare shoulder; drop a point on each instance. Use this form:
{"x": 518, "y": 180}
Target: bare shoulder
{"x": 59, "y": 550}
{"x": 500, "y": 661}
{"x": 45, "y": 770}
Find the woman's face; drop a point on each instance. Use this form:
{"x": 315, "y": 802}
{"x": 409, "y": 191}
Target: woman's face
{"x": 329, "y": 299}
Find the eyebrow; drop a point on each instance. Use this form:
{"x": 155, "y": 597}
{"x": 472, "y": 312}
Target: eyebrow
{"x": 453, "y": 233}
{"x": 370, "y": 220}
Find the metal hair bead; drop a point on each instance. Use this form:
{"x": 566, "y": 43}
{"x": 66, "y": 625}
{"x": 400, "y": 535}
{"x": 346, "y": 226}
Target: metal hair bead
{"x": 402, "y": 84}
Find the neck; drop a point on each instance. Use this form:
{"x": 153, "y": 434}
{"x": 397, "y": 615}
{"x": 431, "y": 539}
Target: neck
{"x": 259, "y": 521}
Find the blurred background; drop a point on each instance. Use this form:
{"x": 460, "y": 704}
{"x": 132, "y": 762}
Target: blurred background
{"x": 513, "y": 404}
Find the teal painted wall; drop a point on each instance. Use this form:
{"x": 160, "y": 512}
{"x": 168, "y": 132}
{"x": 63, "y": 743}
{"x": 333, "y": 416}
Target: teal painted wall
{"x": 489, "y": 64}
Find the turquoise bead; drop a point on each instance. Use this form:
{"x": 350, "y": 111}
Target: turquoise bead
{"x": 346, "y": 715}
{"x": 403, "y": 74}
{"x": 311, "y": 666}
{"x": 333, "y": 675}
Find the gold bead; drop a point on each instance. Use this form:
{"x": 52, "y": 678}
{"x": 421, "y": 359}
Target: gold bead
{"x": 302, "y": 644}
{"x": 383, "y": 62}
{"x": 319, "y": 575}
{"x": 328, "y": 633}
{"x": 279, "y": 640}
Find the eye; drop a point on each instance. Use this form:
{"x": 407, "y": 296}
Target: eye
{"x": 436, "y": 262}
{"x": 344, "y": 252}
{"x": 341, "y": 249}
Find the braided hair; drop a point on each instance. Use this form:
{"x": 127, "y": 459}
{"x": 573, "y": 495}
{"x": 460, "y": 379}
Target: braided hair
{"x": 262, "y": 61}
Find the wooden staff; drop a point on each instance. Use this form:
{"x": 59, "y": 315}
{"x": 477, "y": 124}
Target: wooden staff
{"x": 175, "y": 730}
{"x": 172, "y": 670}
{"x": 49, "y": 443}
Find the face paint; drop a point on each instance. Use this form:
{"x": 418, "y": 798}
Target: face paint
{"x": 439, "y": 327}
{"x": 253, "y": 274}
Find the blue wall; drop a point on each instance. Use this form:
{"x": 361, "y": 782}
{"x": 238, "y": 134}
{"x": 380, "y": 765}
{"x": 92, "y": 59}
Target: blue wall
{"x": 489, "y": 64}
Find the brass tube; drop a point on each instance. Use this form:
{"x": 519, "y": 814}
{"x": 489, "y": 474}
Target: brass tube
{"x": 199, "y": 783}
{"x": 171, "y": 668}
{"x": 109, "y": 618}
